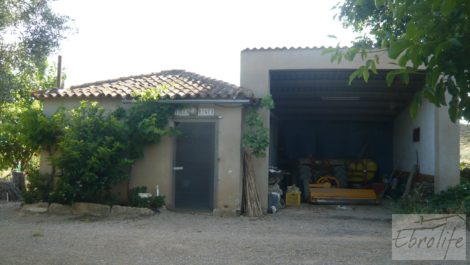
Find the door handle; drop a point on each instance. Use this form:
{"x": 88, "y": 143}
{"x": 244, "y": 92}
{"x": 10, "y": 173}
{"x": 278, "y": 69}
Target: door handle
{"x": 177, "y": 168}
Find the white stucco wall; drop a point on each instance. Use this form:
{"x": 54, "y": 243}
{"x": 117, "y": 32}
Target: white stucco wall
{"x": 438, "y": 148}
{"x": 404, "y": 149}
{"x": 447, "y": 158}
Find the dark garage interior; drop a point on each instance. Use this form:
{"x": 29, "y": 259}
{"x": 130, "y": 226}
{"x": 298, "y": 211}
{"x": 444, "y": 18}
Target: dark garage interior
{"x": 322, "y": 122}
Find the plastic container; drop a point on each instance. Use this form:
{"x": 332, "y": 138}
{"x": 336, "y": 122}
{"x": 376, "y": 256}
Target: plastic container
{"x": 293, "y": 199}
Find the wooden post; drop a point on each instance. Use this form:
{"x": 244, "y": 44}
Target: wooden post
{"x": 59, "y": 72}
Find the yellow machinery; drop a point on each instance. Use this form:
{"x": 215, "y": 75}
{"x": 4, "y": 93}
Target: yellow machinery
{"x": 327, "y": 190}
{"x": 361, "y": 171}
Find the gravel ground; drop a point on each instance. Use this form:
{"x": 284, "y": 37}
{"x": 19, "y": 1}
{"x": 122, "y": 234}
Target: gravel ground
{"x": 308, "y": 235}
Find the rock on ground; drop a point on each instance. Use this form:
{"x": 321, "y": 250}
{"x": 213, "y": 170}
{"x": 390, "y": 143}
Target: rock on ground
{"x": 60, "y": 209}
{"x": 40, "y": 207}
{"x": 92, "y": 209}
{"x": 126, "y": 211}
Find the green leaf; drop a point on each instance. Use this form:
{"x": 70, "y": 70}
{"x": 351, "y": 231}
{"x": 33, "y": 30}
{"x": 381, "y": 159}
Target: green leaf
{"x": 415, "y": 105}
{"x": 350, "y": 54}
{"x": 403, "y": 59}
{"x": 354, "y": 75}
{"x": 441, "y": 94}
{"x": 412, "y": 30}
{"x": 397, "y": 47}
{"x": 390, "y": 77}
{"x": 448, "y": 6}
{"x": 379, "y": 3}
{"x": 373, "y": 67}
{"x": 453, "y": 112}
{"x": 429, "y": 95}
{"x": 432, "y": 77}
{"x": 405, "y": 77}
{"x": 365, "y": 74}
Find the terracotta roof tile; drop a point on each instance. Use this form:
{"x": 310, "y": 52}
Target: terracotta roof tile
{"x": 181, "y": 84}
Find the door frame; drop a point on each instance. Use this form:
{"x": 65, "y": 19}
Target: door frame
{"x": 216, "y": 156}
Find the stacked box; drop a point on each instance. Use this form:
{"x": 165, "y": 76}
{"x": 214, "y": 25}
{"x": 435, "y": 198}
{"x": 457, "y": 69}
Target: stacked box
{"x": 293, "y": 199}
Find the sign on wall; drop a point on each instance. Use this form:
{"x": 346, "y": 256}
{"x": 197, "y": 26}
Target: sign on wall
{"x": 195, "y": 112}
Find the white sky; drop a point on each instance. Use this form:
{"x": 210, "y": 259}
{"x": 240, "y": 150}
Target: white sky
{"x": 119, "y": 38}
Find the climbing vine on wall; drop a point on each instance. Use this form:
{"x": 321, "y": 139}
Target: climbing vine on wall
{"x": 255, "y": 134}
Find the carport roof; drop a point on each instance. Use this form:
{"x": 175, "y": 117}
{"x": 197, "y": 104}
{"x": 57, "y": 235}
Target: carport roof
{"x": 260, "y": 49}
{"x": 324, "y": 94}
{"x": 181, "y": 85}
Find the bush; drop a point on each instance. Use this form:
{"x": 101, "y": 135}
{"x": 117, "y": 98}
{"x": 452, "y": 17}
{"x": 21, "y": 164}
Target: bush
{"x": 37, "y": 189}
{"x": 464, "y": 172}
{"x": 455, "y": 200}
{"x": 92, "y": 155}
{"x": 90, "y": 150}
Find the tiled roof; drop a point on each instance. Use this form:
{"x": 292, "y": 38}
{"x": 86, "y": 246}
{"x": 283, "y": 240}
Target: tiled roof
{"x": 289, "y": 48}
{"x": 181, "y": 85}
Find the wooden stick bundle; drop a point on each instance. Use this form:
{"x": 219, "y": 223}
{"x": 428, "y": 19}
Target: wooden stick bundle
{"x": 251, "y": 202}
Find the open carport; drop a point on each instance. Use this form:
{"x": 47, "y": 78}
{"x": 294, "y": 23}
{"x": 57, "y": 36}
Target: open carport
{"x": 319, "y": 116}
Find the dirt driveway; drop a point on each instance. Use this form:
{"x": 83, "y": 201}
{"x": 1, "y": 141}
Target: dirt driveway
{"x": 309, "y": 235}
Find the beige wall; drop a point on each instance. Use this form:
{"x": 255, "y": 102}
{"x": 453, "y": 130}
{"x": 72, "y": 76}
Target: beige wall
{"x": 156, "y": 167}
{"x": 229, "y": 173}
{"x": 50, "y": 106}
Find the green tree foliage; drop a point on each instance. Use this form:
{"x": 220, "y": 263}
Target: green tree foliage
{"x": 434, "y": 34}
{"x": 29, "y": 32}
{"x": 24, "y": 130}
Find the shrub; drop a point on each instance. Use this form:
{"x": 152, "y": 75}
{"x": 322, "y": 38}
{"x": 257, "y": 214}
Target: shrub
{"x": 90, "y": 150}
{"x": 37, "y": 189}
{"x": 134, "y": 199}
{"x": 92, "y": 155}
{"x": 464, "y": 172}
{"x": 454, "y": 200}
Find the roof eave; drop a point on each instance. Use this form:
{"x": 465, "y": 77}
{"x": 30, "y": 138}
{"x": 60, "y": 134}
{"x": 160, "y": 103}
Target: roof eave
{"x": 197, "y": 101}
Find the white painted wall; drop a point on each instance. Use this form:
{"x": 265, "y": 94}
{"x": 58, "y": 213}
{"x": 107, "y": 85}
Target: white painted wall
{"x": 438, "y": 149}
{"x": 447, "y": 158}
{"x": 404, "y": 150}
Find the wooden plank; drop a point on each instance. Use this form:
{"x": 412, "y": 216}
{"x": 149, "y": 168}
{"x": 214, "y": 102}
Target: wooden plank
{"x": 341, "y": 194}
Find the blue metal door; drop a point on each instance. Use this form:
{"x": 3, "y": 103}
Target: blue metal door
{"x": 194, "y": 166}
